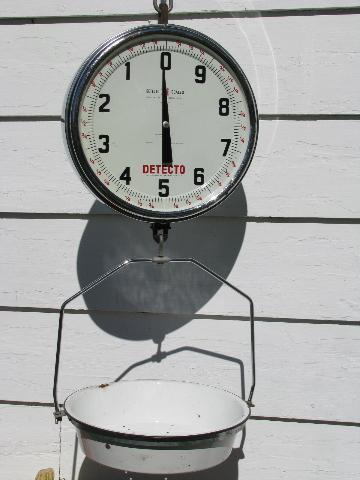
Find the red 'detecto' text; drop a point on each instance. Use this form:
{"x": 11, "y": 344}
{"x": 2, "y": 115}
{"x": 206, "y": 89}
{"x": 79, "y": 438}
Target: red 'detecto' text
{"x": 163, "y": 169}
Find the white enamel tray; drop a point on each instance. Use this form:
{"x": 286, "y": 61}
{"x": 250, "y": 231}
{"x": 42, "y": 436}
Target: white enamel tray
{"x": 156, "y": 426}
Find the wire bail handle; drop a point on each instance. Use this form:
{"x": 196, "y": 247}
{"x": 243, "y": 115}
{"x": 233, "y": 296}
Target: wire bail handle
{"x": 160, "y": 259}
{"x": 163, "y": 10}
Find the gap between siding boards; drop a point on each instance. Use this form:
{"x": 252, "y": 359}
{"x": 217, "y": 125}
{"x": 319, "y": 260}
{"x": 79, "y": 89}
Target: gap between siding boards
{"x": 303, "y": 12}
{"x": 69, "y": 311}
{"x": 87, "y": 216}
{"x": 262, "y": 116}
{"x": 252, "y": 417}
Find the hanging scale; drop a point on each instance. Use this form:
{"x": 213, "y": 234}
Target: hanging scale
{"x": 161, "y": 125}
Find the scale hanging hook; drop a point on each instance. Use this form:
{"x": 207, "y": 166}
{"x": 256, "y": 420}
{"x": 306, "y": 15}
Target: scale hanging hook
{"x": 160, "y": 235}
{"x": 163, "y": 9}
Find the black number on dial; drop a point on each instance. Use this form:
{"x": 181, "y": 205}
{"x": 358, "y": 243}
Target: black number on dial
{"x": 106, "y": 97}
{"x": 126, "y": 176}
{"x": 163, "y": 187}
{"x": 228, "y": 142}
{"x": 127, "y": 66}
{"x": 200, "y": 72}
{"x": 105, "y": 146}
{"x": 199, "y": 176}
{"x": 224, "y": 107}
{"x": 165, "y": 61}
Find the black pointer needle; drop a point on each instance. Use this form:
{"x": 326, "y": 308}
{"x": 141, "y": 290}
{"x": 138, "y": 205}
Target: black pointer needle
{"x": 166, "y": 137}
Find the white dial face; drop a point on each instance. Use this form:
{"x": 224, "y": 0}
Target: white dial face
{"x": 165, "y": 125}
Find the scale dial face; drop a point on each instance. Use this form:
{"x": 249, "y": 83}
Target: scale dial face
{"x": 161, "y": 123}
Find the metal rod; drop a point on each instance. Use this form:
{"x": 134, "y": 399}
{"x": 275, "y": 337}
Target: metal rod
{"x": 90, "y": 286}
{"x": 58, "y": 413}
{"x": 252, "y": 322}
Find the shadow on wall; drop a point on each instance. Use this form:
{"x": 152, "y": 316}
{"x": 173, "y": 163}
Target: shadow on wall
{"x": 227, "y": 470}
{"x": 178, "y": 290}
{"x": 162, "y": 355}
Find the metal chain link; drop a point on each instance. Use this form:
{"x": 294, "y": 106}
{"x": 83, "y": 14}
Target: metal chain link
{"x": 163, "y": 2}
{"x": 163, "y": 10}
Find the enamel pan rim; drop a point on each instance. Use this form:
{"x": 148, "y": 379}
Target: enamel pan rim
{"x": 158, "y": 438}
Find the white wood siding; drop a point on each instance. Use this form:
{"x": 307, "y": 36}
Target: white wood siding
{"x": 290, "y": 70}
{"x": 273, "y": 450}
{"x": 305, "y": 150}
{"x": 313, "y": 356}
{"x": 289, "y": 236}
{"x": 293, "y": 270}
{"x": 65, "y": 8}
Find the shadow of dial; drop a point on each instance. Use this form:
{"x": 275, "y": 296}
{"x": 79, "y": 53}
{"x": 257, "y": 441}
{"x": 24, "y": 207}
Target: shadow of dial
{"x": 179, "y": 290}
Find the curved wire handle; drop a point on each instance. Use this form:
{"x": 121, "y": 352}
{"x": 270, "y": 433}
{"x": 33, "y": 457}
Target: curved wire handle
{"x": 160, "y": 259}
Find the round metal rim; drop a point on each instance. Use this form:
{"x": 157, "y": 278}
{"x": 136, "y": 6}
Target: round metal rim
{"x": 72, "y": 111}
{"x": 156, "y": 438}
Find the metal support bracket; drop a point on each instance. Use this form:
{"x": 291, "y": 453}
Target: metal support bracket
{"x": 160, "y": 231}
{"x": 160, "y": 235}
{"x": 58, "y": 415}
{"x": 160, "y": 259}
{"x": 163, "y": 10}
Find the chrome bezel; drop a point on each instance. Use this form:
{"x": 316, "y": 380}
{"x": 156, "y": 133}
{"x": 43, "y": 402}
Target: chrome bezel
{"x": 79, "y": 86}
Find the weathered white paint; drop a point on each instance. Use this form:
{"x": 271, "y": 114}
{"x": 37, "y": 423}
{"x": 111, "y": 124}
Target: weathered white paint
{"x": 290, "y": 70}
{"x": 272, "y": 450}
{"x": 298, "y": 64}
{"x": 296, "y": 363}
{"x": 18, "y": 8}
{"x": 306, "y": 151}
{"x": 291, "y": 270}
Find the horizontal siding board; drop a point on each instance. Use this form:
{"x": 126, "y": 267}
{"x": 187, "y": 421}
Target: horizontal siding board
{"x": 283, "y": 180}
{"x": 298, "y": 274}
{"x": 274, "y": 450}
{"x": 300, "y": 368}
{"x": 291, "y": 71}
{"x": 301, "y": 271}
{"x": 18, "y": 8}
